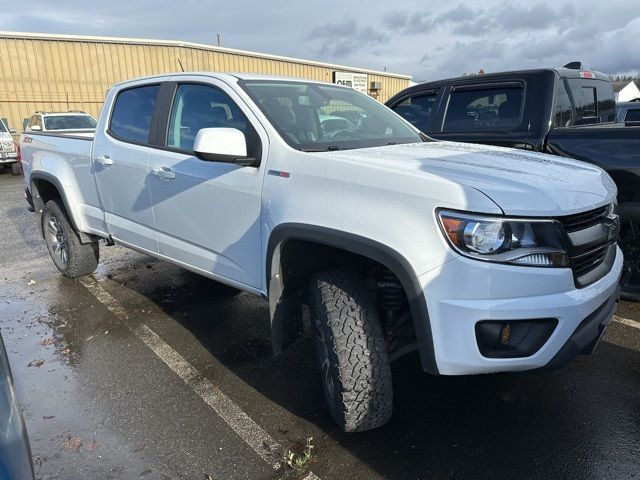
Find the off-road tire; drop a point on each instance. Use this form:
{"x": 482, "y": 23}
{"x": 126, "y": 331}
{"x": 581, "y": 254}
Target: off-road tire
{"x": 15, "y": 169}
{"x": 82, "y": 258}
{"x": 630, "y": 212}
{"x": 351, "y": 350}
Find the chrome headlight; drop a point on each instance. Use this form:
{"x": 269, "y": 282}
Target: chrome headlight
{"x": 518, "y": 241}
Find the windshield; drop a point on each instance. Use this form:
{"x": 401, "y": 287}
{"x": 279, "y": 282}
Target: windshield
{"x": 3, "y": 127}
{"x": 69, "y": 122}
{"x": 316, "y": 117}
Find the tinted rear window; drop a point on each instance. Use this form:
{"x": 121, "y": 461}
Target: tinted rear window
{"x": 594, "y": 101}
{"x": 69, "y": 122}
{"x": 491, "y": 109}
{"x": 417, "y": 110}
{"x": 132, "y": 113}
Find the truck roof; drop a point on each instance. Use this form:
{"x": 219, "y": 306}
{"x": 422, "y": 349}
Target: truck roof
{"x": 228, "y": 76}
{"x": 562, "y": 72}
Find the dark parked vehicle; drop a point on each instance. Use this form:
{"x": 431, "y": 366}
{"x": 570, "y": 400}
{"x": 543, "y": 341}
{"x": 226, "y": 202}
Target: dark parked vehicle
{"x": 15, "y": 454}
{"x": 566, "y": 111}
{"x": 628, "y": 111}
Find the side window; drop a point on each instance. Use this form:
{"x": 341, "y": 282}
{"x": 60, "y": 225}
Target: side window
{"x": 563, "y": 106}
{"x": 201, "y": 106}
{"x": 633, "y": 115}
{"x": 417, "y": 110}
{"x": 132, "y": 113}
{"x": 489, "y": 109}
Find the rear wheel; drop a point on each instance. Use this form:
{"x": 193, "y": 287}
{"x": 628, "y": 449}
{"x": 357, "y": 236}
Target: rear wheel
{"x": 629, "y": 242}
{"x": 351, "y": 351}
{"x": 15, "y": 169}
{"x": 69, "y": 254}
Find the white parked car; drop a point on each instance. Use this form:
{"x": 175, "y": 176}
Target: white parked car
{"x": 484, "y": 259}
{"x": 76, "y": 122}
{"x": 8, "y": 153}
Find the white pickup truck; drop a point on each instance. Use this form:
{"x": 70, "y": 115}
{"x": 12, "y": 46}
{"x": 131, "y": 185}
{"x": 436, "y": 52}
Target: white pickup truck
{"x": 483, "y": 259}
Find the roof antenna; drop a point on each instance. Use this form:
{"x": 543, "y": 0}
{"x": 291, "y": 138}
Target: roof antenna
{"x": 181, "y": 67}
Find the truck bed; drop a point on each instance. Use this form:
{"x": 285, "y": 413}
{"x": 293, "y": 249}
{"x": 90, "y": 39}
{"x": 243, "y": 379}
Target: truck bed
{"x": 64, "y": 155}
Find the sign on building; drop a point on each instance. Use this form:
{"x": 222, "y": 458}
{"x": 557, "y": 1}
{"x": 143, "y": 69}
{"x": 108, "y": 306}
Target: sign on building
{"x": 357, "y": 81}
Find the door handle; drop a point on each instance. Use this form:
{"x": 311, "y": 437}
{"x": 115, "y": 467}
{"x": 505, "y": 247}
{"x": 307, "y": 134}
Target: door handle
{"x": 104, "y": 160}
{"x": 164, "y": 173}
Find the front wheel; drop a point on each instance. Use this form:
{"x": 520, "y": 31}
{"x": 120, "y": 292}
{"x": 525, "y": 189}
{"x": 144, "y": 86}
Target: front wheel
{"x": 72, "y": 257}
{"x": 629, "y": 242}
{"x": 351, "y": 351}
{"x": 15, "y": 169}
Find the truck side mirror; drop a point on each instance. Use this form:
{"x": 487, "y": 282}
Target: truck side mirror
{"x": 13, "y": 131}
{"x": 35, "y": 128}
{"x": 222, "y": 145}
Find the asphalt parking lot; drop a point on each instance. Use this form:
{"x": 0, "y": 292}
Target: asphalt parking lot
{"x": 145, "y": 370}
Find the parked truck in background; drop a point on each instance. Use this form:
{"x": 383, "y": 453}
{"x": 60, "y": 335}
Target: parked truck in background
{"x": 483, "y": 259}
{"x": 569, "y": 112}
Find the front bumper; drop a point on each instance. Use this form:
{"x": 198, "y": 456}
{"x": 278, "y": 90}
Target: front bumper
{"x": 463, "y": 292}
{"x": 8, "y": 157}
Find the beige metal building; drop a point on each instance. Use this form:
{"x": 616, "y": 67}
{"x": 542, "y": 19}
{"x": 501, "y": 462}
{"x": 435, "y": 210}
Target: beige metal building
{"x": 65, "y": 72}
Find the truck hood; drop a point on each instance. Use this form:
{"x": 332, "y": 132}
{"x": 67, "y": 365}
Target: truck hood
{"x": 519, "y": 182}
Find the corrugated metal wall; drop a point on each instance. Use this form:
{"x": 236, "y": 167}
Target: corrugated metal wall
{"x": 58, "y": 74}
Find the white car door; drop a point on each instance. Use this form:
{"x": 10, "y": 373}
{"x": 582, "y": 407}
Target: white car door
{"x": 207, "y": 213}
{"x": 121, "y": 166}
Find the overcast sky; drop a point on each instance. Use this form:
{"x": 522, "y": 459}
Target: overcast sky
{"x": 424, "y": 38}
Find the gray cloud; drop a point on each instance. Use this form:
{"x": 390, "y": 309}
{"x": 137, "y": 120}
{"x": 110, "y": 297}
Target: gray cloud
{"x": 341, "y": 39}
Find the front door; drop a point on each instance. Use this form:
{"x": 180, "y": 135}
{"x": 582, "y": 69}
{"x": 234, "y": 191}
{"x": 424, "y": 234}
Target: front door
{"x": 207, "y": 214}
{"x": 121, "y": 166}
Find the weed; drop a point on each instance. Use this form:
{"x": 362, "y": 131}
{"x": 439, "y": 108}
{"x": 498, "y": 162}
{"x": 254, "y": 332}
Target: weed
{"x": 298, "y": 458}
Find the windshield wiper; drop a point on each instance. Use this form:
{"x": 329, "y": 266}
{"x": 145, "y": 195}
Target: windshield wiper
{"x": 330, "y": 148}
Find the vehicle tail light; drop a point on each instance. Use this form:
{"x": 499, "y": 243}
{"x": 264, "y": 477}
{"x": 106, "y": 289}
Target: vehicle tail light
{"x": 18, "y": 152}
{"x": 587, "y": 75}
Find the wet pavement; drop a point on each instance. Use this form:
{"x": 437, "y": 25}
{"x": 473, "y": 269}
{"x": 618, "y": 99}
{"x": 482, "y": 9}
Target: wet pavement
{"x": 103, "y": 404}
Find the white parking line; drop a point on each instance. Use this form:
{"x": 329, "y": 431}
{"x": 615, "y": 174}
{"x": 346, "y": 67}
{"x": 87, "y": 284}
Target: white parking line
{"x": 627, "y": 322}
{"x": 254, "y": 436}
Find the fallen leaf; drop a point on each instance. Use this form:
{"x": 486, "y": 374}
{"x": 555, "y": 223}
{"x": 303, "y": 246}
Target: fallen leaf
{"x": 47, "y": 341}
{"x": 35, "y": 363}
{"x": 66, "y": 351}
{"x": 72, "y": 444}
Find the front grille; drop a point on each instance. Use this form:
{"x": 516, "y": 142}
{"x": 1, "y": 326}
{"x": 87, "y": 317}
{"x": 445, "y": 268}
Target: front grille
{"x": 590, "y": 250}
{"x": 583, "y": 220}
{"x": 586, "y": 262}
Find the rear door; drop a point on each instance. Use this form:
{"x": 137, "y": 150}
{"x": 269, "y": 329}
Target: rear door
{"x": 208, "y": 213}
{"x": 488, "y": 112}
{"x": 121, "y": 165}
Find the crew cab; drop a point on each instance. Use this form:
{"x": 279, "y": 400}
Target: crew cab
{"x": 483, "y": 259}
{"x": 566, "y": 111}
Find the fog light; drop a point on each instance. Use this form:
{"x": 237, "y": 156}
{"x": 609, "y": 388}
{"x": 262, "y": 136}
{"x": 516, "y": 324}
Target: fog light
{"x": 514, "y": 338}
